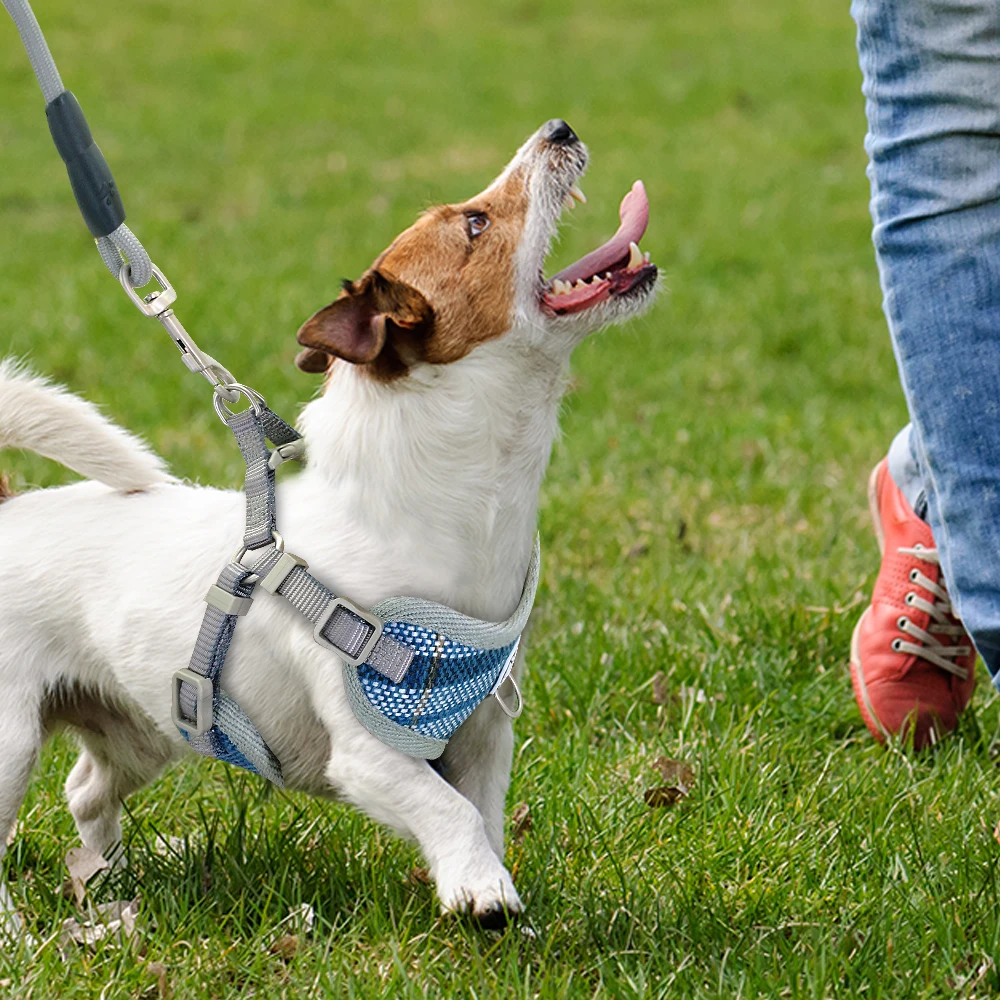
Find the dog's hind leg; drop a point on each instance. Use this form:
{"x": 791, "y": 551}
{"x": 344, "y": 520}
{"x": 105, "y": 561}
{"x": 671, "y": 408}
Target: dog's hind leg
{"x": 111, "y": 767}
{"x": 20, "y": 741}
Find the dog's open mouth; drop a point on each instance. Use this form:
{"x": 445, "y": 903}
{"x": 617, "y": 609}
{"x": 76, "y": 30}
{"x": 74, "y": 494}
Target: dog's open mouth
{"x": 616, "y": 268}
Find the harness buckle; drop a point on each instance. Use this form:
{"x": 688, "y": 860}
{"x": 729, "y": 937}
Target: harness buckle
{"x": 373, "y": 621}
{"x": 294, "y": 451}
{"x": 204, "y": 694}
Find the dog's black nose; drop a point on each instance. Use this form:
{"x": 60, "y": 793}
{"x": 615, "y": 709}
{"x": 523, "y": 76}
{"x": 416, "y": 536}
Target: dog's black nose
{"x": 559, "y": 133}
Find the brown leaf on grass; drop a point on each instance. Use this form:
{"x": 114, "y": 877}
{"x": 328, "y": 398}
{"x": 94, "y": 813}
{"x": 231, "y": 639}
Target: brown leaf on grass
{"x": 285, "y": 947}
{"x": 678, "y": 780}
{"x": 418, "y": 876}
{"x": 83, "y": 865}
{"x": 109, "y": 920}
{"x": 639, "y": 548}
{"x": 661, "y": 796}
{"x": 163, "y": 990}
{"x": 996, "y": 833}
{"x": 675, "y": 772}
{"x": 521, "y": 820}
{"x": 12, "y": 836}
{"x": 661, "y": 692}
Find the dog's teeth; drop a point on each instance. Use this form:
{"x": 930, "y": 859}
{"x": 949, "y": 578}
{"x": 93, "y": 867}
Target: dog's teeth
{"x": 561, "y": 287}
{"x": 580, "y": 283}
{"x": 568, "y": 202}
{"x": 635, "y": 258}
{"x": 607, "y": 275}
{"x": 576, "y": 193}
{"x": 645, "y": 256}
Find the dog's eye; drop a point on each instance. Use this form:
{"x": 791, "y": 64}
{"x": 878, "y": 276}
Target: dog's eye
{"x": 478, "y": 223}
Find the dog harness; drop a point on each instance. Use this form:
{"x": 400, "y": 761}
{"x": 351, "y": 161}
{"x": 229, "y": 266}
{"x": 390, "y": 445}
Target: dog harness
{"x": 413, "y": 670}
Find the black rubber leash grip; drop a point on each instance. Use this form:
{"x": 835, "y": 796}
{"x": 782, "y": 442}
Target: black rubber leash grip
{"x": 89, "y": 174}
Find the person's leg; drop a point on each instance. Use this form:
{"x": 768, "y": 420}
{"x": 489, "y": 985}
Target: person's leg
{"x": 905, "y": 471}
{"x": 932, "y": 86}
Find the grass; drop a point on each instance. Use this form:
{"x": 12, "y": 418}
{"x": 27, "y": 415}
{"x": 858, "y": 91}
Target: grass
{"x": 704, "y": 515}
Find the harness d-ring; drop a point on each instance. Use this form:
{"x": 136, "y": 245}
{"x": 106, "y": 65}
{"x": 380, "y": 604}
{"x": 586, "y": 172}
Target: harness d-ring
{"x": 256, "y": 400}
{"x": 512, "y": 713}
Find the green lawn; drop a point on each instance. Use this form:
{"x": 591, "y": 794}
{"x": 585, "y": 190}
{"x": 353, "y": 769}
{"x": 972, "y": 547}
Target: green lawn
{"x": 703, "y": 517}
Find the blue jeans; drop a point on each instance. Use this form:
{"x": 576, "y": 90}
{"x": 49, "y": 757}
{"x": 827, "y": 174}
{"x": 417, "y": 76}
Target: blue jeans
{"x": 932, "y": 88}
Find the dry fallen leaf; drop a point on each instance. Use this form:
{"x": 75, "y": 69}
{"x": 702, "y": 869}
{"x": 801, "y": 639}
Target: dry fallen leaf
{"x": 662, "y": 795}
{"x": 678, "y": 778}
{"x": 661, "y": 693}
{"x": 675, "y": 772}
{"x": 110, "y": 920}
{"x": 83, "y": 865}
{"x": 285, "y": 947}
{"x": 418, "y": 876}
{"x": 12, "y": 836}
{"x": 158, "y": 969}
{"x": 521, "y": 820}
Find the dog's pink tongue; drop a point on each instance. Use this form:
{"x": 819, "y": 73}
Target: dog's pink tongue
{"x": 634, "y": 213}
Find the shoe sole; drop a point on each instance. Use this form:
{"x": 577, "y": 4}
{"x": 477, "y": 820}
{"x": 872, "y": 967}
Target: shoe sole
{"x": 857, "y": 675}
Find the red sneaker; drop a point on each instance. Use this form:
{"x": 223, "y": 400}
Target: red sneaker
{"x": 912, "y": 662}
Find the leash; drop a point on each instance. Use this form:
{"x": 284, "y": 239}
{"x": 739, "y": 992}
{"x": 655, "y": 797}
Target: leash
{"x": 100, "y": 202}
{"x": 413, "y": 670}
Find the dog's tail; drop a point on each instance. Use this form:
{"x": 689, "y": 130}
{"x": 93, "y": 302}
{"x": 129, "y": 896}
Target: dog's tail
{"x": 39, "y": 416}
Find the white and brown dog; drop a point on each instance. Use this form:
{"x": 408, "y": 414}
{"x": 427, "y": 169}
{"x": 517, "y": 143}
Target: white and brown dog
{"x": 444, "y": 363}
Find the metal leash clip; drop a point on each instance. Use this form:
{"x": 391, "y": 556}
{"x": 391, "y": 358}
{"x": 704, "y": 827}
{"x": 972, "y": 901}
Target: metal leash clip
{"x": 158, "y": 305}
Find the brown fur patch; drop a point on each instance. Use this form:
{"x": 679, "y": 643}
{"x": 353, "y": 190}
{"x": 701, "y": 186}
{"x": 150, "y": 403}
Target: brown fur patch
{"x": 441, "y": 290}
{"x": 5, "y": 491}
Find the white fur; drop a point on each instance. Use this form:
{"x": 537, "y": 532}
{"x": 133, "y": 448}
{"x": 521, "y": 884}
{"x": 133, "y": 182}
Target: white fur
{"x": 425, "y": 486}
{"x": 59, "y": 425}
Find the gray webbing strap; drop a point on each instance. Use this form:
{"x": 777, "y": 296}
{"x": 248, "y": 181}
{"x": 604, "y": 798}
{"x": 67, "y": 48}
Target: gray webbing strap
{"x": 251, "y": 428}
{"x": 212, "y": 722}
{"x": 339, "y": 623}
{"x": 215, "y": 726}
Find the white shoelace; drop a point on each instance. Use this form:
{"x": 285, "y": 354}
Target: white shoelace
{"x": 929, "y": 647}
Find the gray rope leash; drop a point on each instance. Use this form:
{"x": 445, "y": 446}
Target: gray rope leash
{"x": 89, "y": 173}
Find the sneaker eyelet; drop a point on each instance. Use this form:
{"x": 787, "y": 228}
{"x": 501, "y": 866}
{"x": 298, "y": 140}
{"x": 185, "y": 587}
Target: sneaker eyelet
{"x": 897, "y": 645}
{"x": 909, "y": 598}
{"x": 913, "y": 575}
{"x": 902, "y": 622}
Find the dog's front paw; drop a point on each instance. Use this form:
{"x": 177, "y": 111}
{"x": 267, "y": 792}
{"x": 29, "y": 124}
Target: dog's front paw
{"x": 492, "y": 901}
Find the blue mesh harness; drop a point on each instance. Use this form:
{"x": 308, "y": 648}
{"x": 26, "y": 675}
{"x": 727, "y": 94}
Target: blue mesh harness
{"x": 414, "y": 671}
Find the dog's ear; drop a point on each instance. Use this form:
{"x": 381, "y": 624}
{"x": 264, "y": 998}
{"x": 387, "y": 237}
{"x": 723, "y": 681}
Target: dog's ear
{"x": 356, "y": 325}
{"x": 311, "y": 360}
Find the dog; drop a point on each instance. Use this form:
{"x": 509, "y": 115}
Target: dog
{"x": 444, "y": 365}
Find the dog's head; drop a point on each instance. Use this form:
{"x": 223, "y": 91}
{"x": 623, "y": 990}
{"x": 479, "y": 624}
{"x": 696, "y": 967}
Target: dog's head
{"x": 469, "y": 273}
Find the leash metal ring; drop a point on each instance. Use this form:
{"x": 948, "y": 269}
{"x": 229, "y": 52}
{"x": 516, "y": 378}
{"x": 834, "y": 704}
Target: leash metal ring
{"x": 256, "y": 400}
{"x": 279, "y": 544}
